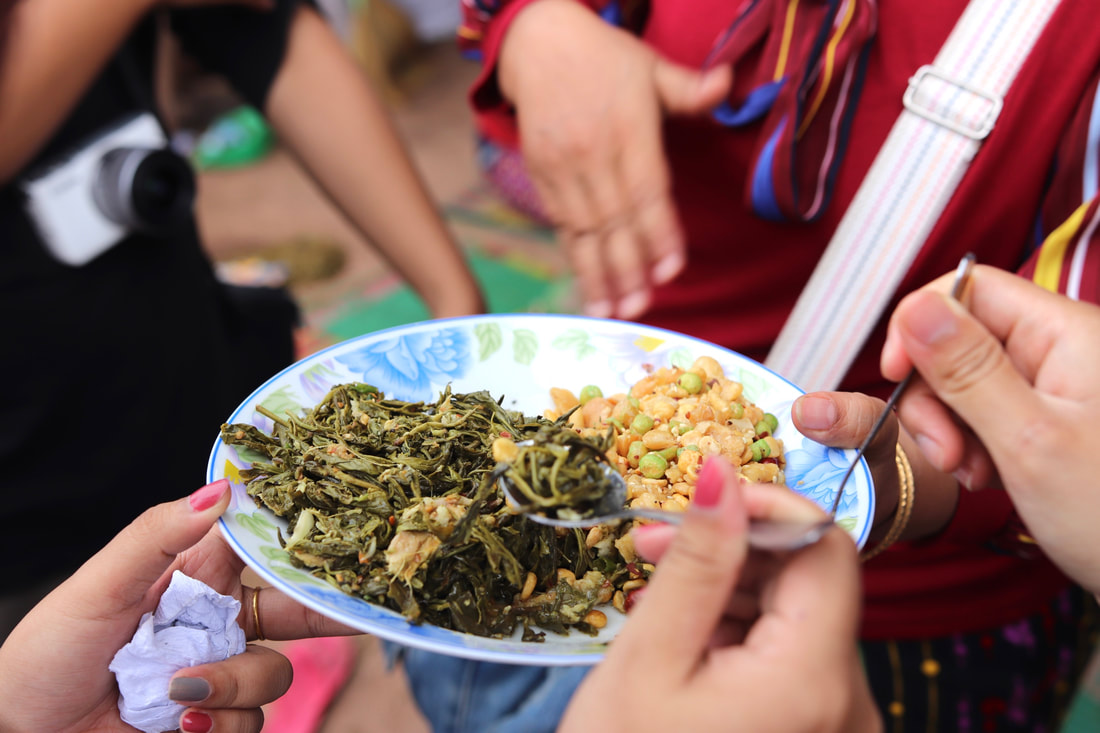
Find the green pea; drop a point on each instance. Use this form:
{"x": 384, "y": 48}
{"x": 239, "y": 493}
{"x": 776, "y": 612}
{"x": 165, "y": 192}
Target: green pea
{"x": 635, "y": 452}
{"x": 588, "y": 392}
{"x": 691, "y": 382}
{"x": 653, "y": 465}
{"x": 668, "y": 453}
{"x": 767, "y": 424}
{"x": 641, "y": 424}
{"x": 760, "y": 450}
{"x": 738, "y": 410}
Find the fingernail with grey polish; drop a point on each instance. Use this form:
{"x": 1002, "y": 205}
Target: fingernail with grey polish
{"x": 188, "y": 689}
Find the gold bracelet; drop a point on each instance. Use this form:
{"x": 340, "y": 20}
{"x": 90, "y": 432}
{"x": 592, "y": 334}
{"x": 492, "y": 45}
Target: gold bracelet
{"x": 906, "y": 494}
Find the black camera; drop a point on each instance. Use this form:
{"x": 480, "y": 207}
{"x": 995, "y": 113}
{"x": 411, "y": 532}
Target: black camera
{"x": 142, "y": 189}
{"x": 124, "y": 180}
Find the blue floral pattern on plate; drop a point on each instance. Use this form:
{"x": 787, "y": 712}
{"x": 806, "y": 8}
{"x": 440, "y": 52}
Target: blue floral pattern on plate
{"x": 407, "y": 366}
{"x": 518, "y": 357}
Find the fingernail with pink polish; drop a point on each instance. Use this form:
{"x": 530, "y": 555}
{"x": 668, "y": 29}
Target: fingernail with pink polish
{"x": 209, "y": 495}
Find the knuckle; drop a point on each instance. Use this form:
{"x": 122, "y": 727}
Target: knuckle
{"x": 1042, "y": 438}
{"x": 857, "y": 416}
{"x": 969, "y": 367}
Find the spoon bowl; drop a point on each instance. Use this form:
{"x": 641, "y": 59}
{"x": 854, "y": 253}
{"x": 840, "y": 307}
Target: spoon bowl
{"x": 763, "y": 534}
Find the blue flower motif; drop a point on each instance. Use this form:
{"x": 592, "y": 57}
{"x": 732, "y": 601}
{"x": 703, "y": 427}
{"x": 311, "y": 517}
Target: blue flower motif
{"x": 407, "y": 367}
{"x": 815, "y": 471}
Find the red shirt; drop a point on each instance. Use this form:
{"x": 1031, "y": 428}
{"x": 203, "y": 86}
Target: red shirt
{"x": 744, "y": 273}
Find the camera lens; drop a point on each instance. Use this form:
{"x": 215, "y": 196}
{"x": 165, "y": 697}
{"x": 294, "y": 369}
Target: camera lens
{"x": 151, "y": 190}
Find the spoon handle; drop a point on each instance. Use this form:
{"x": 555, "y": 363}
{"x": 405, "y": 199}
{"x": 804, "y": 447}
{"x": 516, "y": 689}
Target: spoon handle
{"x": 763, "y": 534}
{"x": 962, "y": 277}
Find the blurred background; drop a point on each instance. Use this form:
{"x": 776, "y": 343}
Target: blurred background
{"x": 263, "y": 219}
{"x": 264, "y": 222}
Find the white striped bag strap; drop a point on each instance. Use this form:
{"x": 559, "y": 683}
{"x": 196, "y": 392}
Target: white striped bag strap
{"x": 950, "y": 107}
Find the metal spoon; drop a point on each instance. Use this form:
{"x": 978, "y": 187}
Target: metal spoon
{"x": 763, "y": 534}
{"x": 962, "y": 277}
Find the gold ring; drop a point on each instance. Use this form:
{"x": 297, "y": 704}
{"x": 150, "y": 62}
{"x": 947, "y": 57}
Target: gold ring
{"x": 256, "y": 615}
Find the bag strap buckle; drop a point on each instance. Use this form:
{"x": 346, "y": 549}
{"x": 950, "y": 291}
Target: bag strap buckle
{"x": 952, "y": 104}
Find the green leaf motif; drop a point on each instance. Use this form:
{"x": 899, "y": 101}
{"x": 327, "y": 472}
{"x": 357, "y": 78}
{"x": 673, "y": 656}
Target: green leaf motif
{"x": 283, "y": 401}
{"x": 320, "y": 372}
{"x": 262, "y": 520}
{"x": 275, "y": 554}
{"x": 256, "y": 524}
{"x": 526, "y": 345}
{"x": 291, "y": 574}
{"x": 681, "y": 358}
{"x": 575, "y": 340}
{"x": 489, "y": 339}
{"x": 847, "y": 524}
{"x": 755, "y": 386}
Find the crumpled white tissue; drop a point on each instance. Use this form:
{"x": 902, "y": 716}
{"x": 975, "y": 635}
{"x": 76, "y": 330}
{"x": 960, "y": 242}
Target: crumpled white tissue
{"x": 193, "y": 624}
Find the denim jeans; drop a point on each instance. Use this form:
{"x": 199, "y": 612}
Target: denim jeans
{"x": 467, "y": 696}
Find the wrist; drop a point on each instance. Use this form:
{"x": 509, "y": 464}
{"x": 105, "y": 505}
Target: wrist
{"x": 935, "y": 498}
{"x": 468, "y": 302}
{"x": 526, "y": 32}
{"x": 903, "y": 512}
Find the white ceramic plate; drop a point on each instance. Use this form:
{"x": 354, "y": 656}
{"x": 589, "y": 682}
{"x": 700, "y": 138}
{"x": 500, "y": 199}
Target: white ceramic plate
{"x": 520, "y": 357}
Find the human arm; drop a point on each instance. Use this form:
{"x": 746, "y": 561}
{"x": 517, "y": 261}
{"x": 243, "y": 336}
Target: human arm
{"x": 1008, "y": 394}
{"x": 325, "y": 112}
{"x": 590, "y": 98}
{"x": 54, "y": 665}
{"x": 53, "y": 51}
{"x": 721, "y": 635}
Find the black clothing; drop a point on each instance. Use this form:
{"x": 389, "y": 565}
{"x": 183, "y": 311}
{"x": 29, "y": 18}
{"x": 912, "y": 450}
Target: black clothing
{"x": 117, "y": 375}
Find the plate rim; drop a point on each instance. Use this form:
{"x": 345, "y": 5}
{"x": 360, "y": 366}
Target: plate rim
{"x": 400, "y": 636}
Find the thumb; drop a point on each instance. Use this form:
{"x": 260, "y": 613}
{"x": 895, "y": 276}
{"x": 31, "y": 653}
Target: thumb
{"x": 689, "y": 592}
{"x": 685, "y": 91}
{"x": 138, "y": 555}
{"x": 965, "y": 366}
